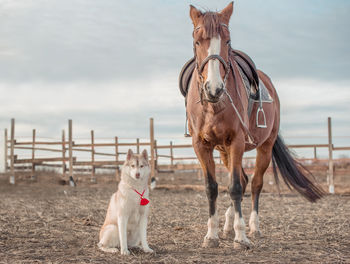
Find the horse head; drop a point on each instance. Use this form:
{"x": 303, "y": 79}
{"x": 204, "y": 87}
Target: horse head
{"x": 211, "y": 45}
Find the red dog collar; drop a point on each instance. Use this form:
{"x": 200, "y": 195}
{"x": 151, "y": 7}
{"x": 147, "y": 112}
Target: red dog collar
{"x": 143, "y": 201}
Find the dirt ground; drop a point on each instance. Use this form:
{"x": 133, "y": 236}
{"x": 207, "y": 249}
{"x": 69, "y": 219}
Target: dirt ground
{"x": 44, "y": 222}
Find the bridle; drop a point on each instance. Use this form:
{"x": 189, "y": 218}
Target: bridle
{"x": 227, "y": 67}
{"x": 200, "y": 68}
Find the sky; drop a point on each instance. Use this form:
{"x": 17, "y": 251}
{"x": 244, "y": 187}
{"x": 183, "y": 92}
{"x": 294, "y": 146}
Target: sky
{"x": 111, "y": 65}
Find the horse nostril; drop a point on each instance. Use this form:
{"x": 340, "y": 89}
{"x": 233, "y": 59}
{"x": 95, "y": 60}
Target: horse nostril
{"x": 219, "y": 91}
{"x": 206, "y": 86}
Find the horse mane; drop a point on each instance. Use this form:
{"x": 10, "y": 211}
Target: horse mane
{"x": 211, "y": 25}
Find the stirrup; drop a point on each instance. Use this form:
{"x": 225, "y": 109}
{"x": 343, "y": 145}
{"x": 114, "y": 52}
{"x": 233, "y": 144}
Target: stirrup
{"x": 186, "y": 133}
{"x": 260, "y": 109}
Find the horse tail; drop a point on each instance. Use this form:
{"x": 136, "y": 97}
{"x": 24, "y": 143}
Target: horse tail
{"x": 294, "y": 174}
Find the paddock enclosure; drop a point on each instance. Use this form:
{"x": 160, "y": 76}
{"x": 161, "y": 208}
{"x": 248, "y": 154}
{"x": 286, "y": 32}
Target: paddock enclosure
{"x": 73, "y": 156}
{"x": 43, "y": 222}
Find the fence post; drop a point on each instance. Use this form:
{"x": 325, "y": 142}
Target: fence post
{"x": 12, "y": 153}
{"x": 156, "y": 155}
{"x": 93, "y": 178}
{"x": 138, "y": 146}
{"x": 330, "y": 158}
{"x": 171, "y": 154}
{"x": 70, "y": 153}
{"x": 315, "y": 153}
{"x": 151, "y": 127}
{"x": 63, "y": 155}
{"x": 5, "y": 151}
{"x": 117, "y": 176}
{"x": 32, "y": 176}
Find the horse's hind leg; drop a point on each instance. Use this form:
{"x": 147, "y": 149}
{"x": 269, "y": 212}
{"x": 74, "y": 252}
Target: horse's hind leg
{"x": 262, "y": 163}
{"x": 205, "y": 157}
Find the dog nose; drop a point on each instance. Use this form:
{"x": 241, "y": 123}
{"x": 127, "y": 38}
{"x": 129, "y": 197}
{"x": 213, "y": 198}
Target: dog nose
{"x": 137, "y": 175}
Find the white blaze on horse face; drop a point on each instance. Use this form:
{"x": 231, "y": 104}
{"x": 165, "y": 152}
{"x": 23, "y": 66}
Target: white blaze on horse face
{"x": 214, "y": 76}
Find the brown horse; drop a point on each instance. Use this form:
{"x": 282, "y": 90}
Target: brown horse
{"x": 218, "y": 118}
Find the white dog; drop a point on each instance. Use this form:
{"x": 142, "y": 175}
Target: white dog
{"x": 126, "y": 220}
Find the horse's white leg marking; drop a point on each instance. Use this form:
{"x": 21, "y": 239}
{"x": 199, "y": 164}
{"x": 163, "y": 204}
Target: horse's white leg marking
{"x": 229, "y": 215}
{"x": 239, "y": 227}
{"x": 213, "y": 227}
{"x": 214, "y": 76}
{"x": 254, "y": 222}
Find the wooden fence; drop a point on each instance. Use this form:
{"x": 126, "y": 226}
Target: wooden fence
{"x": 61, "y": 147}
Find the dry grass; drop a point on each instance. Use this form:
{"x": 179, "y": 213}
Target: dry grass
{"x": 48, "y": 223}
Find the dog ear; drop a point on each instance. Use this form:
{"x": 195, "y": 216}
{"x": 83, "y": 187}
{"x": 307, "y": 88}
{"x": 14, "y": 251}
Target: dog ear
{"x": 129, "y": 155}
{"x": 145, "y": 154}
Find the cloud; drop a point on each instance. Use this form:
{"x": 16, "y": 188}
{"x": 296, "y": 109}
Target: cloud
{"x": 110, "y": 65}
{"x": 64, "y": 41}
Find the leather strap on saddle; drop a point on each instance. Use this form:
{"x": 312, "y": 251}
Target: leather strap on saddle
{"x": 247, "y": 65}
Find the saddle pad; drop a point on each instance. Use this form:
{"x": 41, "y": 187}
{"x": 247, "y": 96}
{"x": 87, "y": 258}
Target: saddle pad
{"x": 265, "y": 97}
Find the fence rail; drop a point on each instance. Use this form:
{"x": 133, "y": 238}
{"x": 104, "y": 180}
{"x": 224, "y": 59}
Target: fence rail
{"x": 67, "y": 148}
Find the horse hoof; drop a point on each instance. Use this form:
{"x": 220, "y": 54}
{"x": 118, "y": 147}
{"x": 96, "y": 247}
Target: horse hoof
{"x": 241, "y": 244}
{"x": 210, "y": 243}
{"x": 228, "y": 234}
{"x": 255, "y": 234}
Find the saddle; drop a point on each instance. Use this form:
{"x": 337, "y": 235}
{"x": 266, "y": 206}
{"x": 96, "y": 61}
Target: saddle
{"x": 246, "y": 66}
{"x": 256, "y": 91}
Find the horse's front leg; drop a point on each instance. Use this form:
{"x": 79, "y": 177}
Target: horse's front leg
{"x": 236, "y": 191}
{"x": 204, "y": 153}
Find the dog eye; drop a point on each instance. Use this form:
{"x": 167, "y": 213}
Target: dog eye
{"x": 228, "y": 42}
{"x": 141, "y": 166}
{"x": 197, "y": 43}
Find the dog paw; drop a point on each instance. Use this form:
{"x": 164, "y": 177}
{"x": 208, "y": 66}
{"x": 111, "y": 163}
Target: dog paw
{"x": 125, "y": 252}
{"x": 148, "y": 250}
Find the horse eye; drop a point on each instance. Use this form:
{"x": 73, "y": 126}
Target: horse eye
{"x": 197, "y": 43}
{"x": 228, "y": 42}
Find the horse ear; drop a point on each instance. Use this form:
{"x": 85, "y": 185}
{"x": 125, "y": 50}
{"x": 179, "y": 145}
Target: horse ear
{"x": 129, "y": 155}
{"x": 227, "y": 12}
{"x": 195, "y": 14}
{"x": 145, "y": 154}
